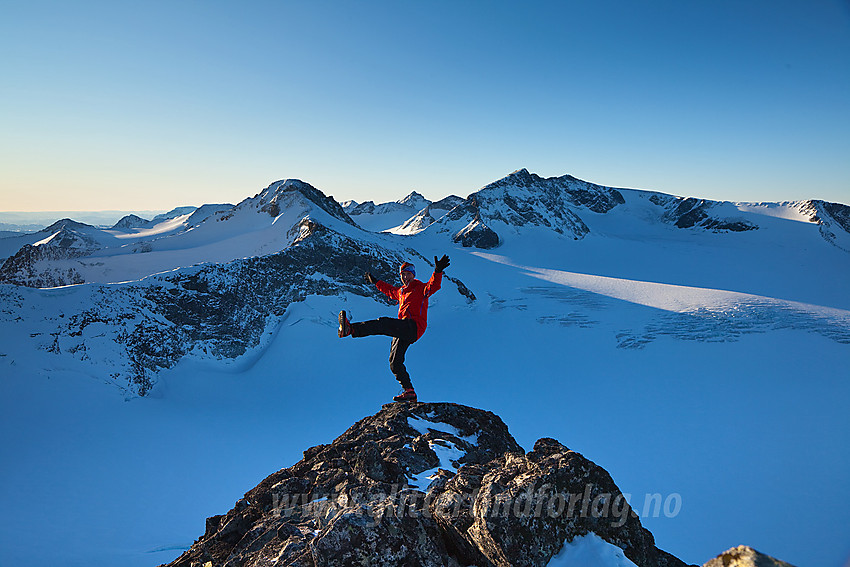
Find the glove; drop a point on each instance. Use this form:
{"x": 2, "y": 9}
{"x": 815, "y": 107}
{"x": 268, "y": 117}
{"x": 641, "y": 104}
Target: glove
{"x": 441, "y": 264}
{"x": 370, "y": 278}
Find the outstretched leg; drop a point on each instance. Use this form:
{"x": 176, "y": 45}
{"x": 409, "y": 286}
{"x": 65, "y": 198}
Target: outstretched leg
{"x": 387, "y": 326}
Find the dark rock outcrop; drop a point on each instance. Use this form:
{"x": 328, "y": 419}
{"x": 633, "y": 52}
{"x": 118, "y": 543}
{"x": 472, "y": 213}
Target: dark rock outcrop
{"x": 692, "y": 213}
{"x": 477, "y": 235}
{"x": 832, "y": 219}
{"x": 542, "y": 499}
{"x": 23, "y": 268}
{"x": 433, "y": 484}
{"x": 31, "y": 265}
{"x": 744, "y": 556}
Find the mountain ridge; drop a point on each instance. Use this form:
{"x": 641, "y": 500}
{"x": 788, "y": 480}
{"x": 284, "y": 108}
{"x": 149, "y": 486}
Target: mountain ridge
{"x": 168, "y": 273}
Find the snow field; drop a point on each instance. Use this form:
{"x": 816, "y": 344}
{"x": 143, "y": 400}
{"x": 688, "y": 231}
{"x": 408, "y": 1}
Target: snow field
{"x": 713, "y": 367}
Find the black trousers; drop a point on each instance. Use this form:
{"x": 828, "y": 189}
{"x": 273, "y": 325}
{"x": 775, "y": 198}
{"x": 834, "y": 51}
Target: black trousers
{"x": 403, "y": 332}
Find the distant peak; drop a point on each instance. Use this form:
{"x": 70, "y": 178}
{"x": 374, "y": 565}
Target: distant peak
{"x": 271, "y": 198}
{"x": 130, "y": 221}
{"x": 415, "y": 200}
{"x": 65, "y": 224}
{"x": 745, "y": 556}
{"x": 287, "y": 183}
{"x": 412, "y": 195}
{"x": 173, "y": 213}
{"x": 520, "y": 177}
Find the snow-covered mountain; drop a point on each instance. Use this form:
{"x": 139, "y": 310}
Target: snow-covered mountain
{"x": 130, "y": 222}
{"x": 565, "y": 205}
{"x": 523, "y": 200}
{"x": 659, "y": 334}
{"x": 290, "y": 241}
{"x": 213, "y": 287}
{"x": 395, "y": 215}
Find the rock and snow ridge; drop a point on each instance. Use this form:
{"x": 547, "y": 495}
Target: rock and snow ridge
{"x": 257, "y": 226}
{"x": 215, "y": 281}
{"x": 524, "y": 199}
{"x": 565, "y": 204}
{"x": 362, "y": 500}
{"x": 221, "y": 310}
{"x": 397, "y": 216}
{"x": 505, "y": 209}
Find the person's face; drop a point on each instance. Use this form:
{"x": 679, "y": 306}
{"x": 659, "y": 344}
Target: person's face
{"x": 406, "y": 278}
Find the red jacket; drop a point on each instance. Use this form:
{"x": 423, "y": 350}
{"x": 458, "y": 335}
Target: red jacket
{"x": 413, "y": 299}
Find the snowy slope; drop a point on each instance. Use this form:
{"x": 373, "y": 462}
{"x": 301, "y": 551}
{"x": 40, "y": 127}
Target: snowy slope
{"x": 704, "y": 365}
{"x": 590, "y": 551}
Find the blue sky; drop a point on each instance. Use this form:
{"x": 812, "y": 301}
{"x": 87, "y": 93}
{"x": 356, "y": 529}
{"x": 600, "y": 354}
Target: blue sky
{"x": 151, "y": 105}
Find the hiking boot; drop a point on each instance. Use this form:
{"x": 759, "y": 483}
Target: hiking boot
{"x": 344, "y": 325}
{"x": 407, "y": 396}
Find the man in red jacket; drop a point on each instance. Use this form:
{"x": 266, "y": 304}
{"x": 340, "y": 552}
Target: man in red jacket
{"x": 412, "y": 299}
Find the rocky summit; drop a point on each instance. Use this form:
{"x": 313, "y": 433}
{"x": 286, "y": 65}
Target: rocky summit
{"x": 745, "y": 556}
{"x": 428, "y": 484}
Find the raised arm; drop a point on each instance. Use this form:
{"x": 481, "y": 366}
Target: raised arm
{"x": 389, "y": 290}
{"x": 437, "y": 278}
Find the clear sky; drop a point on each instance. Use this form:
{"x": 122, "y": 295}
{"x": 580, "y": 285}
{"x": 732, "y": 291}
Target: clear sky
{"x": 155, "y": 104}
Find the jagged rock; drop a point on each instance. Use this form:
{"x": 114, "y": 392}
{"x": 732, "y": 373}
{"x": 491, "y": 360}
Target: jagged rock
{"x": 413, "y": 485}
{"x": 744, "y": 556}
{"x": 476, "y": 234}
{"x": 528, "y": 505}
{"x": 553, "y": 190}
{"x": 523, "y": 199}
{"x": 23, "y": 268}
{"x": 690, "y": 212}
{"x": 840, "y": 213}
{"x": 833, "y": 220}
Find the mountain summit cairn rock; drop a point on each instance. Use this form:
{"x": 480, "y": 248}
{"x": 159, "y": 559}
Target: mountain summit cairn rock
{"x": 430, "y": 484}
{"x": 744, "y": 556}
